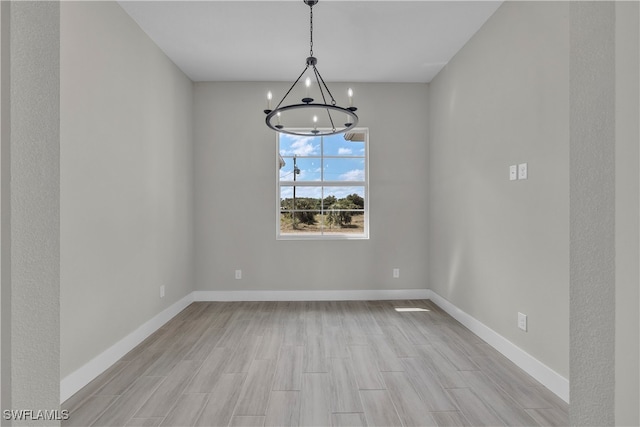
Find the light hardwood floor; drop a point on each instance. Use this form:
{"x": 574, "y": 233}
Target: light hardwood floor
{"x": 348, "y": 363}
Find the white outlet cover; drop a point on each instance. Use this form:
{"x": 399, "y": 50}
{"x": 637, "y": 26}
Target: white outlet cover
{"x": 396, "y": 273}
{"x": 522, "y": 171}
{"x": 162, "y": 291}
{"x": 238, "y": 274}
{"x": 522, "y": 321}
{"x": 513, "y": 172}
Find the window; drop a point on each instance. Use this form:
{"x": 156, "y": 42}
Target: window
{"x": 323, "y": 186}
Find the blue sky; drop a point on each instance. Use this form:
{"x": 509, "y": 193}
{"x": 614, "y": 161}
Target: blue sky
{"x": 308, "y": 151}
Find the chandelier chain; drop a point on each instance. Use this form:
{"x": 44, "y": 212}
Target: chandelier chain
{"x": 327, "y": 104}
{"x": 311, "y": 30}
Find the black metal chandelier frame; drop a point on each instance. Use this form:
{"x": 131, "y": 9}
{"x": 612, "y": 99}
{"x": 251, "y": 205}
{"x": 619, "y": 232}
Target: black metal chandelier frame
{"x": 307, "y": 102}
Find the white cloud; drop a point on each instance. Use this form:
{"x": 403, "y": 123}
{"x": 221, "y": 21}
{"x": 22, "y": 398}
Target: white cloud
{"x": 301, "y": 146}
{"x": 344, "y": 151}
{"x": 353, "y": 175}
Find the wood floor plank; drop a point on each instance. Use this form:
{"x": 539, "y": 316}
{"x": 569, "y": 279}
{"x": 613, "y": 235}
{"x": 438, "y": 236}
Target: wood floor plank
{"x": 348, "y": 420}
{"x": 270, "y": 343}
{"x": 288, "y": 374}
{"x": 455, "y": 355}
{"x": 164, "y": 396}
{"x": 365, "y": 369}
{"x": 549, "y": 417}
{"x": 315, "y": 354}
{"x": 410, "y": 331}
{"x": 386, "y": 357}
{"x": 526, "y": 396}
{"x": 379, "y": 409}
{"x": 222, "y": 401}
{"x": 335, "y": 342}
{"x": 255, "y": 392}
{"x": 505, "y": 407}
{"x": 315, "y": 406}
{"x": 243, "y": 355}
{"x": 144, "y": 422}
{"x": 450, "y": 419}
{"x": 428, "y": 387}
{"x": 474, "y": 409}
{"x": 408, "y": 403}
{"x": 344, "y": 388}
{"x": 186, "y": 410}
{"x": 210, "y": 371}
{"x": 203, "y": 347}
{"x": 123, "y": 408}
{"x": 400, "y": 344}
{"x": 89, "y": 411}
{"x": 78, "y": 399}
{"x": 294, "y": 333}
{"x": 128, "y": 375}
{"x": 446, "y": 373}
{"x": 283, "y": 409}
{"x": 246, "y": 421}
{"x": 353, "y": 333}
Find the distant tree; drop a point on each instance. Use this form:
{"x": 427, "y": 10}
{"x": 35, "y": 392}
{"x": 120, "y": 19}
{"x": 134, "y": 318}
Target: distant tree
{"x": 307, "y": 215}
{"x": 356, "y": 200}
{"x": 339, "y": 213}
{"x": 306, "y": 207}
{"x": 328, "y": 201}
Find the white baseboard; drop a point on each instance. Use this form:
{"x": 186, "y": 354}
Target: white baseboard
{"x": 333, "y": 295}
{"x": 83, "y": 376}
{"x": 538, "y": 370}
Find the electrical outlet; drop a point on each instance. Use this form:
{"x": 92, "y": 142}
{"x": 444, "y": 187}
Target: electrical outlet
{"x": 522, "y": 171}
{"x": 396, "y": 273}
{"x": 238, "y": 274}
{"x": 513, "y": 172}
{"x": 522, "y": 321}
{"x": 162, "y": 291}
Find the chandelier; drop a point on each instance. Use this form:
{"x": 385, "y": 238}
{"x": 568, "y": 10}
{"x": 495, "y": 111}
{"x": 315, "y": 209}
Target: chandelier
{"x": 333, "y": 118}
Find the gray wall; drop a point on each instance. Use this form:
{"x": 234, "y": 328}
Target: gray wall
{"x": 592, "y": 195}
{"x": 498, "y": 247}
{"x": 126, "y": 181}
{"x": 236, "y": 186}
{"x": 627, "y": 217}
{"x": 30, "y": 206}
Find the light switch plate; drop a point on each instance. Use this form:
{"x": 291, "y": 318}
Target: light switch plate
{"x": 522, "y": 171}
{"x": 513, "y": 172}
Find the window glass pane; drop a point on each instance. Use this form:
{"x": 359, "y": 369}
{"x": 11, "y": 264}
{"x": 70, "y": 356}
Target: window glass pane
{"x": 344, "y": 221}
{"x": 308, "y": 169}
{"x": 291, "y": 145}
{"x": 301, "y": 222}
{"x": 336, "y": 145}
{"x": 343, "y": 169}
{"x": 344, "y": 198}
{"x": 306, "y": 198}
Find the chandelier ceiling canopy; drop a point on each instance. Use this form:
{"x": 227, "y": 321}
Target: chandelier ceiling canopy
{"x": 309, "y": 118}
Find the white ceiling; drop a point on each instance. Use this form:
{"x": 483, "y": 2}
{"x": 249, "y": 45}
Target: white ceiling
{"x": 354, "y": 41}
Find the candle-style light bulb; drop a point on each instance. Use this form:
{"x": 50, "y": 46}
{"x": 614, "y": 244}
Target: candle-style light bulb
{"x": 350, "y": 94}
{"x": 307, "y": 84}
{"x": 315, "y": 122}
{"x": 278, "y": 117}
{"x": 269, "y": 97}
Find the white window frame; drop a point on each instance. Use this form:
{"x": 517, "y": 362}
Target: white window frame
{"x": 322, "y": 183}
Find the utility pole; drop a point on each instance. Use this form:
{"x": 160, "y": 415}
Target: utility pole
{"x": 296, "y": 171}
